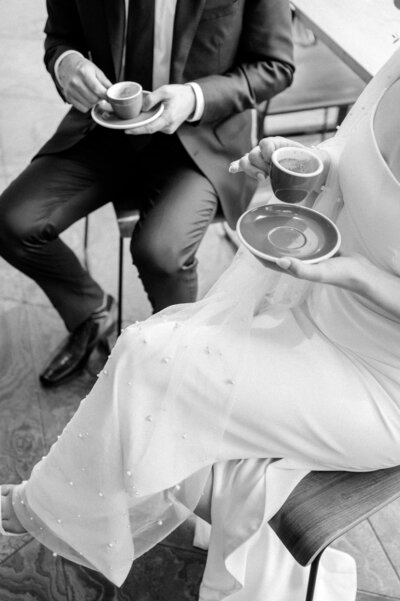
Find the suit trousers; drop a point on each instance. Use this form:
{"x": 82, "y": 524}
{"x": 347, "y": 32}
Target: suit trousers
{"x": 151, "y": 173}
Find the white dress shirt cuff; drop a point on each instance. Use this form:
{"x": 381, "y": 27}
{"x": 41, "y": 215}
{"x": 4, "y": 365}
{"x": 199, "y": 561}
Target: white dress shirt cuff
{"x": 199, "y": 99}
{"x": 58, "y": 61}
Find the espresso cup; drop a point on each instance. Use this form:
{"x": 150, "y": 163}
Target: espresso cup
{"x": 126, "y": 99}
{"x": 295, "y": 173}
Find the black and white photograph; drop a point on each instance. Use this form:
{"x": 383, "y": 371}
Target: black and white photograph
{"x": 200, "y": 300}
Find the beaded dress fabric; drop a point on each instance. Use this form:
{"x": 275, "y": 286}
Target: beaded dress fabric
{"x": 262, "y": 391}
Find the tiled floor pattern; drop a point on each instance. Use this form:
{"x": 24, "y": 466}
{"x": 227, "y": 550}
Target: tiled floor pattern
{"x": 31, "y": 418}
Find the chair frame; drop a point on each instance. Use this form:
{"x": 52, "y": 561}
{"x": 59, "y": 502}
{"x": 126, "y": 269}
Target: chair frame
{"x": 326, "y": 505}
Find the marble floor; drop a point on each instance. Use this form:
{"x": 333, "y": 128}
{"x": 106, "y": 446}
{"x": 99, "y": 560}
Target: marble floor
{"x": 31, "y": 417}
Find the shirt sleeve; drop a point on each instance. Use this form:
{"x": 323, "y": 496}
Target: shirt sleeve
{"x": 199, "y": 100}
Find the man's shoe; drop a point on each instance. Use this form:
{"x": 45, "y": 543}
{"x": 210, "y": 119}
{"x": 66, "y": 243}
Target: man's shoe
{"x": 73, "y": 353}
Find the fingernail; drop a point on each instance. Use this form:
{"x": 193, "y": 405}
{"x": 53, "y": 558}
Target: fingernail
{"x": 233, "y": 168}
{"x": 260, "y": 176}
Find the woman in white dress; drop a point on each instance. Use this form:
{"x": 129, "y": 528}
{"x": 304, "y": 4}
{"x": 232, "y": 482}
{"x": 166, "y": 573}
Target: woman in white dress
{"x": 227, "y": 403}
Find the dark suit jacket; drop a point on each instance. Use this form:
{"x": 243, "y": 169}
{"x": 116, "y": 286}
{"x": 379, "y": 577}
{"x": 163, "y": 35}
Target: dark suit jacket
{"x": 238, "y": 51}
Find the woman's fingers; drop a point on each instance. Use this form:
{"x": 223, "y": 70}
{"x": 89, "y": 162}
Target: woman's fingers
{"x": 252, "y": 164}
{"x": 256, "y": 163}
{"x": 336, "y": 270}
{"x": 244, "y": 165}
{"x": 314, "y": 272}
{"x": 269, "y": 145}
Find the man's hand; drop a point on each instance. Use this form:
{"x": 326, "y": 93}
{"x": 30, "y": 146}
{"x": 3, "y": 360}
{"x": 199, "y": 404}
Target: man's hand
{"x": 83, "y": 83}
{"x": 179, "y": 103}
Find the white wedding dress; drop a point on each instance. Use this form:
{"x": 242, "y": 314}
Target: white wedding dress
{"x": 238, "y": 381}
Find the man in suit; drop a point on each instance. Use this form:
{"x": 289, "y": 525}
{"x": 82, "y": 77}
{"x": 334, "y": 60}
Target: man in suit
{"x": 211, "y": 62}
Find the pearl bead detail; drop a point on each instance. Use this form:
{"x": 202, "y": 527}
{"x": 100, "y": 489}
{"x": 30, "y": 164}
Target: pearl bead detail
{"x": 184, "y": 436}
{"x": 160, "y": 523}
{"x": 101, "y": 494}
{"x": 128, "y": 473}
{"x": 55, "y": 554}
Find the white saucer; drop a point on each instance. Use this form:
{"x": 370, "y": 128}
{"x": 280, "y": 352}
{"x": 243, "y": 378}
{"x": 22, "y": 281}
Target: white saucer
{"x": 109, "y": 119}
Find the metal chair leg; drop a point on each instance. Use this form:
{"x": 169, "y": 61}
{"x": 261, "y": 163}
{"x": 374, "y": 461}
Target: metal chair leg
{"x": 342, "y": 112}
{"x": 86, "y": 243}
{"x": 313, "y": 578}
{"x": 120, "y": 283}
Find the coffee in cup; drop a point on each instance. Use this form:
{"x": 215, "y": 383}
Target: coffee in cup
{"x": 295, "y": 173}
{"x": 126, "y": 99}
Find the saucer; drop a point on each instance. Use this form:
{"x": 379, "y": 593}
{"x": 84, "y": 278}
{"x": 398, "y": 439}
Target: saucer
{"x": 109, "y": 119}
{"x": 279, "y": 230}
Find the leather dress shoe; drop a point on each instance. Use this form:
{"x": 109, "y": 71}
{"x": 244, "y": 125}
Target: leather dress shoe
{"x": 73, "y": 353}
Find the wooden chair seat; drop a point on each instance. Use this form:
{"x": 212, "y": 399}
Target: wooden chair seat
{"x": 325, "y": 505}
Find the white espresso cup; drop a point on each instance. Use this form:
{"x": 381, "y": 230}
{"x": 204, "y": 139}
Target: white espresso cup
{"x": 126, "y": 99}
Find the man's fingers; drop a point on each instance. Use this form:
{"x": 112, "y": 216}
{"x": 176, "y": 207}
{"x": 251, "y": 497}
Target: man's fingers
{"x": 93, "y": 88}
{"x": 157, "y": 125}
{"x": 103, "y": 79}
{"x": 79, "y": 90}
{"x": 78, "y": 101}
{"x": 80, "y": 106}
{"x": 151, "y": 100}
{"x": 105, "y": 106}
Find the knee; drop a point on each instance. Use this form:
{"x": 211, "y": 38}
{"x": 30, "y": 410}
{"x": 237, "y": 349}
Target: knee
{"x": 157, "y": 255}
{"x": 19, "y": 232}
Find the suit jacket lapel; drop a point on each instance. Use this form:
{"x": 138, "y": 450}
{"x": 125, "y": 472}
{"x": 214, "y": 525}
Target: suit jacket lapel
{"x": 115, "y": 16}
{"x": 187, "y": 17}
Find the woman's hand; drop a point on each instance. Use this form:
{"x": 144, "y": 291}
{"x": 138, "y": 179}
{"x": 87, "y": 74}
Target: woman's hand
{"x": 343, "y": 271}
{"x": 354, "y": 273}
{"x": 257, "y": 162}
